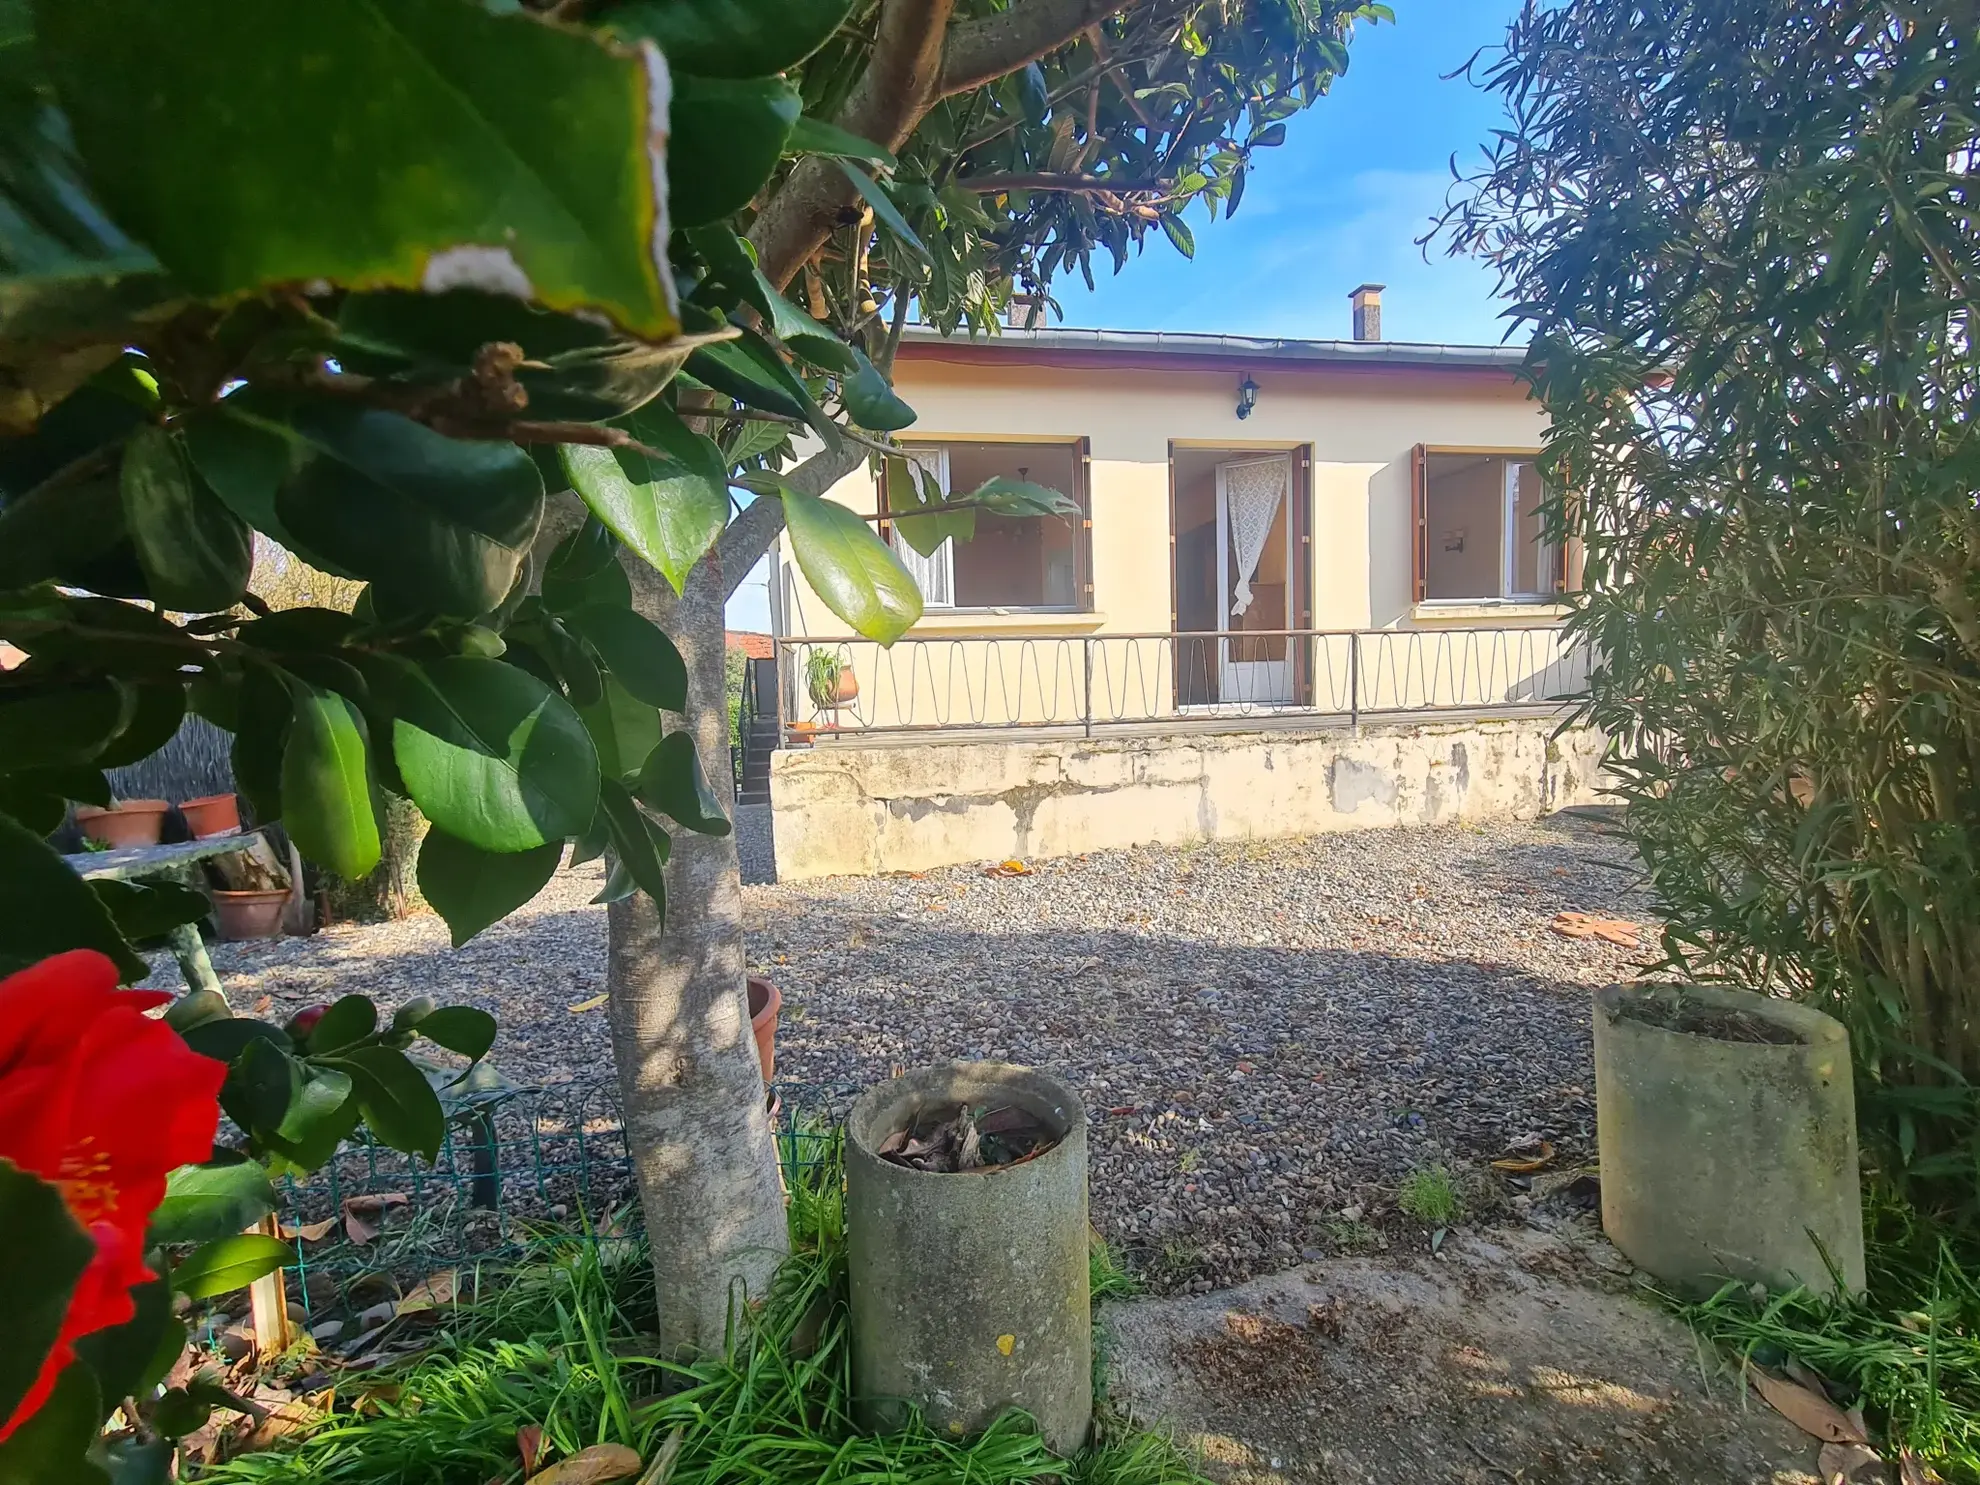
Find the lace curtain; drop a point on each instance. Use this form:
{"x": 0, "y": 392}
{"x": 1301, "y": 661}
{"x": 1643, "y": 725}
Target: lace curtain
{"x": 1253, "y": 492}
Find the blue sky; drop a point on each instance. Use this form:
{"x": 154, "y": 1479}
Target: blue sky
{"x": 1340, "y": 203}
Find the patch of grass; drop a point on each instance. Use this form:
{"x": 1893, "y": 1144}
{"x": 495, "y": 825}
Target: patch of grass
{"x": 1108, "y": 1277}
{"x": 563, "y": 1344}
{"x": 1353, "y": 1237}
{"x": 1430, "y": 1196}
{"x": 1908, "y": 1350}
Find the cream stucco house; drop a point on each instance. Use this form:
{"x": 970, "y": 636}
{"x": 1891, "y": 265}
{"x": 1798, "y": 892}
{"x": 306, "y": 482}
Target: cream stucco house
{"x": 1280, "y": 545}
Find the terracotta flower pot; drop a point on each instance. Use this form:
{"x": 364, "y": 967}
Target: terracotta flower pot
{"x": 848, "y": 690}
{"x": 128, "y": 822}
{"x": 250, "y": 914}
{"x": 765, "y": 1001}
{"x": 211, "y": 815}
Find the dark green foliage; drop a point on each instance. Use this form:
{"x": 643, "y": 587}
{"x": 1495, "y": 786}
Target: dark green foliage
{"x": 1746, "y": 239}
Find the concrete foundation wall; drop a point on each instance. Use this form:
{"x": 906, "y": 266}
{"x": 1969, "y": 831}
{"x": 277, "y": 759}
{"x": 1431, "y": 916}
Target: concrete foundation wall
{"x": 855, "y": 809}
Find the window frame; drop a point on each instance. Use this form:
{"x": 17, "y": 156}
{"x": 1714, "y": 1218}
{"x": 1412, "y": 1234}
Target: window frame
{"x": 1082, "y": 523}
{"x": 1560, "y": 554}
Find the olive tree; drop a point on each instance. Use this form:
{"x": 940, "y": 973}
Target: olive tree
{"x": 500, "y": 312}
{"x": 1746, "y": 240}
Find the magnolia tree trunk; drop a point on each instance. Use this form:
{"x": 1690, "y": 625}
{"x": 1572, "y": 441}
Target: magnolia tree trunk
{"x": 702, "y": 1148}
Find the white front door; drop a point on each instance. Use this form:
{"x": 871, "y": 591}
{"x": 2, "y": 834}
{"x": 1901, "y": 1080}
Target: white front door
{"x": 1254, "y": 498}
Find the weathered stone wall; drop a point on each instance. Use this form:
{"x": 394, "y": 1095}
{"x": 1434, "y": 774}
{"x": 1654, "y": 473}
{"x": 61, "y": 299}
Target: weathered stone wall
{"x": 868, "y": 808}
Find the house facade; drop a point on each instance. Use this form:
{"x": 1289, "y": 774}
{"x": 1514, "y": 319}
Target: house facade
{"x": 1283, "y": 541}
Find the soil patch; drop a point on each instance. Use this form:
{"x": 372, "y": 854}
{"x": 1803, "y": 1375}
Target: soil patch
{"x": 1680, "y": 1013}
{"x": 1512, "y": 1356}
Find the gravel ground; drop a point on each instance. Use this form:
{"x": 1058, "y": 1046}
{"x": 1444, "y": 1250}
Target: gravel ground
{"x": 1265, "y": 1034}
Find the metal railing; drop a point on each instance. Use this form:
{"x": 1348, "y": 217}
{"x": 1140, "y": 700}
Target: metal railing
{"x": 841, "y": 687}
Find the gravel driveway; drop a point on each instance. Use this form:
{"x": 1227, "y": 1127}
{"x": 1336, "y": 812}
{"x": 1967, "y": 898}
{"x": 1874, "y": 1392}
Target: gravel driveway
{"x": 1263, "y": 1033}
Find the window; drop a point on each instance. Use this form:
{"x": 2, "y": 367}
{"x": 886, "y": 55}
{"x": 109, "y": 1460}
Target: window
{"x": 1479, "y": 536}
{"x": 1027, "y": 562}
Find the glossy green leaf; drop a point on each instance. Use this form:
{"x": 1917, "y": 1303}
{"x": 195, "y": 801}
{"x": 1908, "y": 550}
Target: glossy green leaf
{"x": 260, "y": 1086}
{"x": 460, "y": 1028}
{"x": 50, "y": 726}
{"x": 1003, "y": 496}
{"x": 350, "y": 1019}
{"x": 178, "y": 1413}
{"x": 624, "y": 729}
{"x": 728, "y": 134}
{"x": 196, "y": 1008}
{"x": 50, "y": 908}
{"x": 48, "y": 1448}
{"x": 640, "y": 657}
{"x": 203, "y": 127}
{"x": 471, "y": 888}
{"x": 74, "y": 535}
{"x": 225, "y": 1038}
{"x": 640, "y": 845}
{"x": 671, "y": 781}
{"x": 909, "y": 489}
{"x": 42, "y": 1255}
{"x": 884, "y": 209}
{"x": 436, "y": 524}
{"x": 243, "y": 464}
{"x": 196, "y": 553}
{"x": 321, "y": 1117}
{"x": 669, "y": 521}
{"x": 123, "y": 1356}
{"x": 143, "y": 910}
{"x": 263, "y": 710}
{"x": 326, "y": 784}
{"x": 570, "y": 663}
{"x": 399, "y": 1105}
{"x": 563, "y": 592}
{"x": 158, "y": 706}
{"x": 853, "y": 572}
{"x": 493, "y": 756}
{"x": 229, "y": 1263}
{"x": 731, "y": 38}
{"x": 871, "y": 400}
{"x": 811, "y": 136}
{"x": 204, "y": 1202}
{"x": 803, "y": 334}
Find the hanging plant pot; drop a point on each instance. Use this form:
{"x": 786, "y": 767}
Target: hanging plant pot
{"x": 969, "y": 1281}
{"x": 127, "y": 823}
{"x": 1726, "y": 1124}
{"x": 766, "y": 1002}
{"x": 211, "y": 815}
{"x": 246, "y": 915}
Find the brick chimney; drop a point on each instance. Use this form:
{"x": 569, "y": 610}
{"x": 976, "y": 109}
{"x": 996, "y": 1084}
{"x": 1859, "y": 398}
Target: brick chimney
{"x": 1367, "y": 301}
{"x": 1026, "y": 312}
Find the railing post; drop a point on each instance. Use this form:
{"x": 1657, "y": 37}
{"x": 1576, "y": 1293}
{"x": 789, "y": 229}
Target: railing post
{"x": 1354, "y": 681}
{"x": 1086, "y": 648}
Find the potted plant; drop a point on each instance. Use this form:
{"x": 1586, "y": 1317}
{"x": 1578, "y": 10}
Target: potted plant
{"x": 966, "y": 1231}
{"x": 211, "y": 815}
{"x": 254, "y": 913}
{"x": 766, "y": 1002}
{"x": 126, "y": 823}
{"x": 830, "y": 681}
{"x": 1726, "y": 1128}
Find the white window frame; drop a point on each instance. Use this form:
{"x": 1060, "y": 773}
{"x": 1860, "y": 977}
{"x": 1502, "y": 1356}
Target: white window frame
{"x": 934, "y": 574}
{"x": 1544, "y": 561}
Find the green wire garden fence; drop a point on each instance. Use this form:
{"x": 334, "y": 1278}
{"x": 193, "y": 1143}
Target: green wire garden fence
{"x": 520, "y": 1168}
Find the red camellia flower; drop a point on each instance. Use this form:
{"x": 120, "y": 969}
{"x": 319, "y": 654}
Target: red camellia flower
{"x": 102, "y": 1102}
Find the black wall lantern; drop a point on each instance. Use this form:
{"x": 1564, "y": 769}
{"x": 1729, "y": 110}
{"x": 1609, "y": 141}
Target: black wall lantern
{"x": 1247, "y": 397}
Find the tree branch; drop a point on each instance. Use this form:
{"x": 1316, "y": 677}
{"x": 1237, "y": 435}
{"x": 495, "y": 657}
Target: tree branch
{"x": 1076, "y": 184}
{"x": 898, "y": 87}
{"x": 983, "y": 50}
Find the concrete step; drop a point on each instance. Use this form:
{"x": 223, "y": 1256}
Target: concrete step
{"x": 754, "y": 796}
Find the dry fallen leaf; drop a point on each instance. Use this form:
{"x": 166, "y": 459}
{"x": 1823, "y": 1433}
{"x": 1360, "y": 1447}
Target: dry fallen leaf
{"x": 1839, "y": 1463}
{"x": 1011, "y": 868}
{"x": 431, "y": 1293}
{"x": 662, "y": 1468}
{"x": 591, "y": 1466}
{"x": 309, "y": 1232}
{"x": 1914, "y": 1471}
{"x": 589, "y": 1005}
{"x": 1521, "y": 1165}
{"x": 290, "y": 1417}
{"x": 1618, "y": 931}
{"x": 360, "y": 1213}
{"x": 529, "y": 1445}
{"x": 262, "y": 1006}
{"x": 1810, "y": 1412}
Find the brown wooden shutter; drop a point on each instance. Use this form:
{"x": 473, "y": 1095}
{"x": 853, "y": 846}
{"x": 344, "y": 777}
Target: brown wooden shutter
{"x": 1302, "y": 578}
{"x": 1419, "y": 523}
{"x": 1083, "y": 473}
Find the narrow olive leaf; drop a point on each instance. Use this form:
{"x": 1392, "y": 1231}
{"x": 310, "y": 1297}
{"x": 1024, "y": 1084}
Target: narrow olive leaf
{"x": 326, "y": 785}
{"x": 471, "y": 888}
{"x": 50, "y": 908}
{"x": 637, "y": 653}
{"x": 855, "y": 573}
{"x": 230, "y": 1263}
{"x": 399, "y": 1105}
{"x": 884, "y": 209}
{"x": 668, "y": 520}
{"x": 494, "y": 756}
{"x": 460, "y": 1028}
{"x": 196, "y": 553}
{"x": 728, "y": 135}
{"x": 811, "y": 136}
{"x": 731, "y": 38}
{"x": 641, "y": 846}
{"x": 1177, "y": 231}
{"x": 671, "y": 782}
{"x": 202, "y": 127}
{"x": 871, "y": 398}
{"x": 204, "y": 1202}
{"x": 42, "y": 1255}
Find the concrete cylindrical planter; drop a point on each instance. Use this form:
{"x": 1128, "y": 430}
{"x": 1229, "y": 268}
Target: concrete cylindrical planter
{"x": 128, "y": 822}
{"x": 765, "y": 1002}
{"x": 969, "y": 1290}
{"x": 1726, "y": 1124}
{"x": 244, "y": 915}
